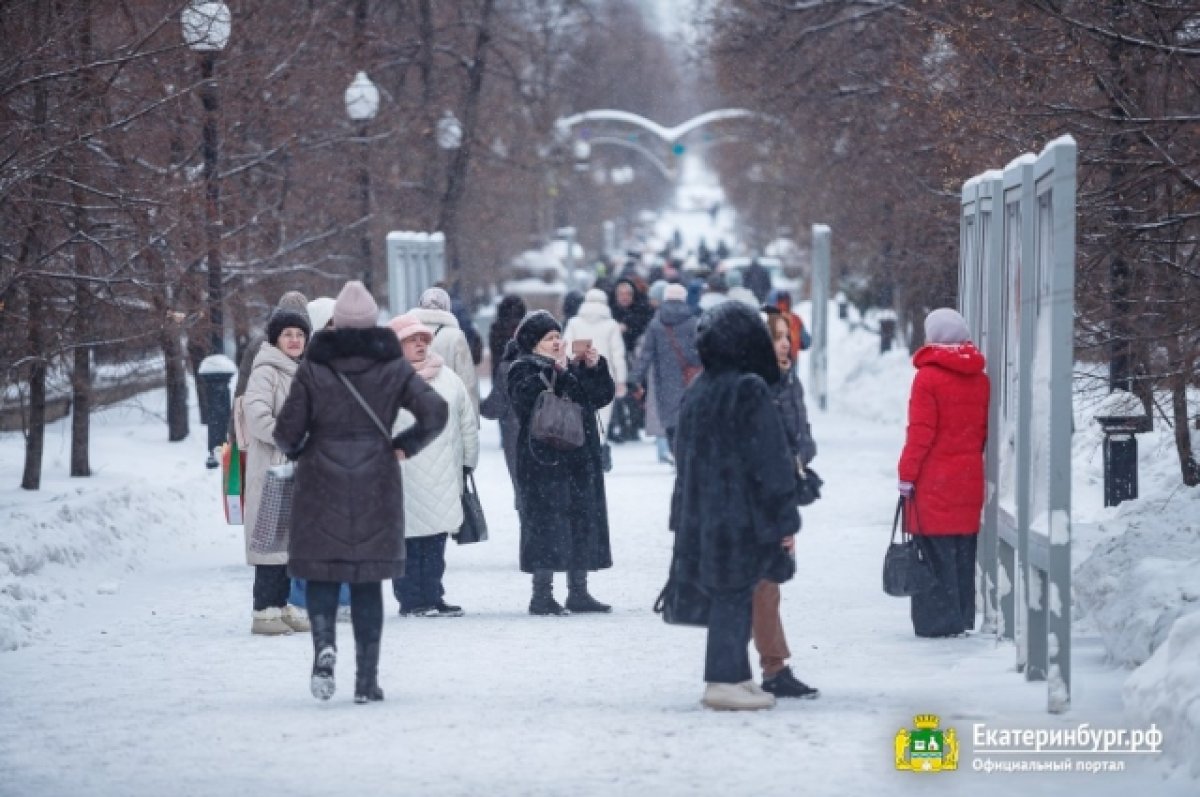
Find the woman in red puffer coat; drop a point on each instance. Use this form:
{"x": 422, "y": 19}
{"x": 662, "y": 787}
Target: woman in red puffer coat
{"x": 941, "y": 470}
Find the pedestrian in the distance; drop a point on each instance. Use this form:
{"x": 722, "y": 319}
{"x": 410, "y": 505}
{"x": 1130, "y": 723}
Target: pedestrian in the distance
{"x": 348, "y": 511}
{"x": 562, "y": 506}
{"x": 449, "y": 341}
{"x": 433, "y": 479}
{"x": 594, "y": 323}
{"x": 941, "y": 470}
{"x": 509, "y": 315}
{"x": 266, "y": 390}
{"x": 669, "y": 353}
{"x": 733, "y": 509}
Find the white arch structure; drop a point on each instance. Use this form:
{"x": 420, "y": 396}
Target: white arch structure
{"x": 667, "y": 134}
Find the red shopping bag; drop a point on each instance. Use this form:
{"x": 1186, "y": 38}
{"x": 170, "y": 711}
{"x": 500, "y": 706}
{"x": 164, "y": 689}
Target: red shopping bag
{"x": 233, "y": 469}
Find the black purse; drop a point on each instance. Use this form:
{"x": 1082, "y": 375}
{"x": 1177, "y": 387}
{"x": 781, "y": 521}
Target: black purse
{"x": 683, "y": 602}
{"x": 906, "y": 569}
{"x": 808, "y": 486}
{"x": 556, "y": 420}
{"x": 474, "y": 526}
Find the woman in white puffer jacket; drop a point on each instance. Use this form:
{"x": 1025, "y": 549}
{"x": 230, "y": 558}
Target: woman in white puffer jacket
{"x": 433, "y": 479}
{"x": 594, "y": 322}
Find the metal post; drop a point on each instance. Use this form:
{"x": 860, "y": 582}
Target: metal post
{"x": 364, "y": 196}
{"x": 212, "y": 202}
{"x": 818, "y": 358}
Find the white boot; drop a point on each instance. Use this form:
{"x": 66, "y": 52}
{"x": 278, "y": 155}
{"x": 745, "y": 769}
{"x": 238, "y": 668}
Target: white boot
{"x": 296, "y": 618}
{"x": 746, "y": 696}
{"x": 269, "y": 622}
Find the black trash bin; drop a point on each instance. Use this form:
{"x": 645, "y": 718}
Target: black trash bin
{"x": 1121, "y": 455}
{"x": 215, "y": 372}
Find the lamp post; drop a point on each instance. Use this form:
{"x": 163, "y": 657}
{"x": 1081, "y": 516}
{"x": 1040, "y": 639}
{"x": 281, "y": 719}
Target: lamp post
{"x": 362, "y": 103}
{"x": 449, "y": 135}
{"x": 206, "y": 27}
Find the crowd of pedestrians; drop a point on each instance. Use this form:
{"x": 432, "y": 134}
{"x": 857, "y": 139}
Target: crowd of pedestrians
{"x": 381, "y": 421}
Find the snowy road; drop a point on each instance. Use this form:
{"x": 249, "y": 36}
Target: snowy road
{"x": 160, "y": 689}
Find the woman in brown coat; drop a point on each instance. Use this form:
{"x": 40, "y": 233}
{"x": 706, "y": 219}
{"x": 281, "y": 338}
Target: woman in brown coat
{"x": 348, "y": 511}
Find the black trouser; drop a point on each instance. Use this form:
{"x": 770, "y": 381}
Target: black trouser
{"x": 671, "y": 439}
{"x": 271, "y": 586}
{"x": 424, "y": 566}
{"x": 949, "y": 606}
{"x": 543, "y": 581}
{"x": 366, "y": 609}
{"x": 730, "y": 619}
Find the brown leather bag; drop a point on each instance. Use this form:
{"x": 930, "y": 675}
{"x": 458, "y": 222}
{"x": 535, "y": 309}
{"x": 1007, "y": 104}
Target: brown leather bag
{"x": 690, "y": 372}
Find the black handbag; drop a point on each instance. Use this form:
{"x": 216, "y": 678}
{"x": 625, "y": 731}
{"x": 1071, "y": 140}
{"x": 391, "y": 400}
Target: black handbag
{"x": 683, "y": 602}
{"x": 495, "y": 405}
{"x": 556, "y": 421}
{"x": 474, "y": 525}
{"x": 781, "y": 567}
{"x": 906, "y": 569}
{"x": 808, "y": 486}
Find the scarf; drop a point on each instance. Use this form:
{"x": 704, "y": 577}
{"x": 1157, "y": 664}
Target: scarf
{"x": 430, "y": 367}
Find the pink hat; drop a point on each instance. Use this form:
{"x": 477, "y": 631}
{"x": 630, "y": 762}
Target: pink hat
{"x": 675, "y": 293}
{"x": 405, "y": 326}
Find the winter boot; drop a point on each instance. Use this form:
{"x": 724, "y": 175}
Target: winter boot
{"x": 784, "y": 684}
{"x": 366, "y": 679}
{"x": 269, "y": 622}
{"x": 578, "y": 599}
{"x": 296, "y": 618}
{"x": 447, "y": 609}
{"x": 324, "y": 635}
{"x": 543, "y": 602}
{"x": 745, "y": 696}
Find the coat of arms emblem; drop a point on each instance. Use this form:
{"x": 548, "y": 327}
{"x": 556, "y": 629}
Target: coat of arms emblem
{"x": 926, "y": 747}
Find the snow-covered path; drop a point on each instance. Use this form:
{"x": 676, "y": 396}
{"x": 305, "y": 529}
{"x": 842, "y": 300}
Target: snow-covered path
{"x": 158, "y": 688}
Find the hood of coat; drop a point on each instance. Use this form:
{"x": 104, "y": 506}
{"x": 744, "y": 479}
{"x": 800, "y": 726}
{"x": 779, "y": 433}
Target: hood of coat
{"x": 962, "y": 358}
{"x": 354, "y": 349}
{"x": 272, "y": 357}
{"x": 595, "y": 307}
{"x": 732, "y": 337}
{"x": 674, "y": 313}
{"x": 432, "y": 317}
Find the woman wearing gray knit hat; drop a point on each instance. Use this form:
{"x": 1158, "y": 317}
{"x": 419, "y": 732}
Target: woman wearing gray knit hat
{"x": 348, "y": 511}
{"x": 561, "y": 501}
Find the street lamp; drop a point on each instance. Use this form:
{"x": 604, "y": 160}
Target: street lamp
{"x": 449, "y": 132}
{"x": 206, "y": 27}
{"x": 362, "y": 103}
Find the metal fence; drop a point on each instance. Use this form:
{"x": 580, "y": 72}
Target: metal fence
{"x": 818, "y": 359}
{"x": 415, "y": 261}
{"x": 1016, "y": 290}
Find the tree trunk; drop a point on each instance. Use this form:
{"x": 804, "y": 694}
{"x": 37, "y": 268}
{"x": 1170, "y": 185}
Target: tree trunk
{"x": 35, "y": 437}
{"x": 81, "y": 411}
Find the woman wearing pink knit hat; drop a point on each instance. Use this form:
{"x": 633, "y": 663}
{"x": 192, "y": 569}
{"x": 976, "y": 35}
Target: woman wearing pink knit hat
{"x": 433, "y": 480}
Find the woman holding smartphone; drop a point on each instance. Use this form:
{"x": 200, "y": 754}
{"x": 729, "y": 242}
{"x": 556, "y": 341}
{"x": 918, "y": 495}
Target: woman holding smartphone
{"x": 564, "y": 515}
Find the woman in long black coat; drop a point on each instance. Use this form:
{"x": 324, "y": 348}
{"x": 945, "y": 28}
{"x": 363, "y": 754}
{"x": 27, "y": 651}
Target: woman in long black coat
{"x": 734, "y": 505}
{"x": 348, "y": 510}
{"x": 564, "y": 514}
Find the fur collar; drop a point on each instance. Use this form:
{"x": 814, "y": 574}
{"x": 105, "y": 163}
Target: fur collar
{"x": 376, "y": 343}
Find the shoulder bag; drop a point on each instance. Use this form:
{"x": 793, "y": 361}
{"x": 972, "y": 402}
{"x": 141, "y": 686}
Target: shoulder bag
{"x": 362, "y": 402}
{"x": 906, "y": 569}
{"x": 690, "y": 372}
{"x": 556, "y": 421}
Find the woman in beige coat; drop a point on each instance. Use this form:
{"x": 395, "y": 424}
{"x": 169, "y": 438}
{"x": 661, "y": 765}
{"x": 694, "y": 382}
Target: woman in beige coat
{"x": 270, "y": 380}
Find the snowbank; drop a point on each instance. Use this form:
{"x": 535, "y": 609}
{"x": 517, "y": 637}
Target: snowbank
{"x": 76, "y": 538}
{"x": 1166, "y": 691}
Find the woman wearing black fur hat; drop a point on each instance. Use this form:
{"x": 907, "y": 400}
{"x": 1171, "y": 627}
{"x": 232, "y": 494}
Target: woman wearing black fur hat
{"x": 266, "y": 390}
{"x": 564, "y": 516}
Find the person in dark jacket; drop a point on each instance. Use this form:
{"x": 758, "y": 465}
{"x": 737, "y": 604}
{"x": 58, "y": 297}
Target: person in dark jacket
{"x": 758, "y": 280}
{"x": 733, "y": 509}
{"x": 769, "y": 637}
{"x": 348, "y": 510}
{"x": 632, "y": 311}
{"x": 562, "y": 506}
{"x": 497, "y": 407}
{"x": 668, "y": 349}
{"x": 571, "y": 304}
{"x": 941, "y": 470}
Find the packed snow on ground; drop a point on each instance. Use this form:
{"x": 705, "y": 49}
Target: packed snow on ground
{"x": 128, "y": 602}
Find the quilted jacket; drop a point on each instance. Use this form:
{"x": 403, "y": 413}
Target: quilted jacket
{"x": 450, "y": 342}
{"x": 433, "y": 479}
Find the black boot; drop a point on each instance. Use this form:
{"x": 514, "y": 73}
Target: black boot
{"x": 366, "y": 683}
{"x": 578, "y": 599}
{"x": 324, "y": 636}
{"x": 543, "y": 602}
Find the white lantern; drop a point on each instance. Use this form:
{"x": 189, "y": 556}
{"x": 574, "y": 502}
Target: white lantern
{"x": 362, "y": 99}
{"x": 449, "y": 132}
{"x": 206, "y": 26}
